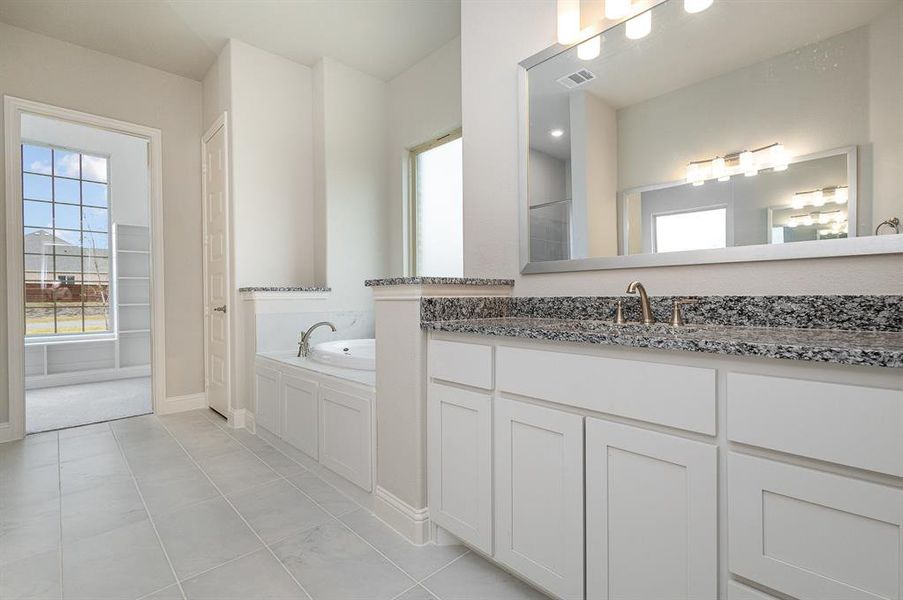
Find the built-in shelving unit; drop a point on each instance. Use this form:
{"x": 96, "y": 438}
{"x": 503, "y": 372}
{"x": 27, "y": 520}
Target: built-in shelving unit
{"x": 127, "y": 352}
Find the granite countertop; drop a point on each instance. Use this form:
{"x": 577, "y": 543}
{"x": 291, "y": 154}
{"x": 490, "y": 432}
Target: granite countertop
{"x": 863, "y": 348}
{"x": 285, "y": 288}
{"x": 436, "y": 281}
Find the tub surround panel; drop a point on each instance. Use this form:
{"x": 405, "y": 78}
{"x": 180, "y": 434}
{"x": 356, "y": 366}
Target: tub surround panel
{"x": 437, "y": 281}
{"x": 852, "y": 313}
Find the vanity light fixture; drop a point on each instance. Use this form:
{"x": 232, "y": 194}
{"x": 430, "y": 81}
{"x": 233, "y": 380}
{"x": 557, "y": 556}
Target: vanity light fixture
{"x": 590, "y": 49}
{"x": 639, "y": 26}
{"x": 616, "y": 9}
{"x": 748, "y": 162}
{"x": 696, "y": 6}
{"x": 568, "y": 21}
{"x": 817, "y": 198}
{"x": 556, "y": 133}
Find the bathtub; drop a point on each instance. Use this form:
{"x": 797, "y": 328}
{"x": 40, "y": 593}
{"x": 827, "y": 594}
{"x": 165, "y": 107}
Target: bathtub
{"x": 349, "y": 354}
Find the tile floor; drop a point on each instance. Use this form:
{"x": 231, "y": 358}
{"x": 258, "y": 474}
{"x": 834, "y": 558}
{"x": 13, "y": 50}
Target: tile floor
{"x": 181, "y": 507}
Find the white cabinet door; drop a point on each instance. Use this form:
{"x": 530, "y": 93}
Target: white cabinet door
{"x": 266, "y": 393}
{"x": 345, "y": 436}
{"x": 814, "y": 535}
{"x": 539, "y": 495}
{"x": 460, "y": 463}
{"x": 651, "y": 515}
{"x": 300, "y": 419}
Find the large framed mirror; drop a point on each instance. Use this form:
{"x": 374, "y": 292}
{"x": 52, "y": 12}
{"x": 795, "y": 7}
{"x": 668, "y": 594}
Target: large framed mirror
{"x": 693, "y": 132}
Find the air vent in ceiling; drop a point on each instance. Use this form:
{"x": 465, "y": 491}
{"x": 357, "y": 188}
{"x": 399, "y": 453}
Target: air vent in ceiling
{"x": 576, "y": 78}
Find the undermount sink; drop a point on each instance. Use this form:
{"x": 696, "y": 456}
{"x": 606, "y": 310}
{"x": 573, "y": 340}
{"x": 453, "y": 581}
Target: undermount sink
{"x": 351, "y": 354}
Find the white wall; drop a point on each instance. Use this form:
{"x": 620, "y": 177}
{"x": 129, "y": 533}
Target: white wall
{"x": 424, "y": 102}
{"x": 46, "y": 70}
{"x": 495, "y": 36}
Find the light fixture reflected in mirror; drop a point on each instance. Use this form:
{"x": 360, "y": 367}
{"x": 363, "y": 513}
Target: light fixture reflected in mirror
{"x": 639, "y": 26}
{"x": 616, "y": 9}
{"x": 719, "y": 169}
{"x": 556, "y": 133}
{"x": 590, "y": 49}
{"x": 817, "y": 198}
{"x": 568, "y": 21}
{"x": 696, "y": 6}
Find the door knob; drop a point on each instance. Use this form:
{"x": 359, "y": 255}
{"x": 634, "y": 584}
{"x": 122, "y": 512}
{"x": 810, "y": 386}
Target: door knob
{"x": 221, "y": 309}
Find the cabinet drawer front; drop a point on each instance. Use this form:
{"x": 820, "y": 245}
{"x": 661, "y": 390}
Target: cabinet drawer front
{"x": 845, "y": 424}
{"x": 469, "y": 364}
{"x": 460, "y": 461}
{"x": 300, "y": 414}
{"x": 539, "y": 495}
{"x": 813, "y": 535}
{"x": 672, "y": 395}
{"x": 651, "y": 514}
{"x": 344, "y": 436}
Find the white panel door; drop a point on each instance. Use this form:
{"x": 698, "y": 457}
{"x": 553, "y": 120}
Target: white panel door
{"x": 216, "y": 271}
{"x": 651, "y": 515}
{"x": 266, "y": 398}
{"x": 345, "y": 436}
{"x": 459, "y": 424}
{"x": 814, "y": 535}
{"x": 300, "y": 413}
{"x": 539, "y": 495}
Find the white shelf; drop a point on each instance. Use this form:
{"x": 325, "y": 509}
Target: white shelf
{"x": 133, "y": 331}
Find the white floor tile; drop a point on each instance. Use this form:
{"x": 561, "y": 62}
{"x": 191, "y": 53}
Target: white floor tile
{"x": 474, "y": 578}
{"x": 416, "y": 561}
{"x": 417, "y": 593}
{"x": 238, "y": 470}
{"x": 96, "y": 510}
{"x": 203, "y": 536}
{"x": 327, "y": 496}
{"x": 278, "y": 509}
{"x": 33, "y": 578}
{"x": 257, "y": 576}
{"x": 332, "y": 563}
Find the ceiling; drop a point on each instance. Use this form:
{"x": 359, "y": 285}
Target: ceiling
{"x": 378, "y": 37}
{"x": 684, "y": 49}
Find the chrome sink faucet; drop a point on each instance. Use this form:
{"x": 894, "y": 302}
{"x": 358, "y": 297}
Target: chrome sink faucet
{"x": 304, "y": 343}
{"x": 635, "y": 287}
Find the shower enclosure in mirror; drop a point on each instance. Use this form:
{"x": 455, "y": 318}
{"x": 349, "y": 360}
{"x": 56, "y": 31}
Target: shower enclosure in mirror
{"x": 696, "y": 132}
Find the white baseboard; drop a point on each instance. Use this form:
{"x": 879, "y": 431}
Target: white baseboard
{"x": 412, "y": 523}
{"x": 250, "y": 422}
{"x": 35, "y": 382}
{"x": 6, "y": 432}
{"x": 177, "y": 404}
{"x": 240, "y": 418}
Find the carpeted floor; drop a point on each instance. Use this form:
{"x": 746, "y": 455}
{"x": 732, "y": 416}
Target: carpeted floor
{"x": 71, "y": 405}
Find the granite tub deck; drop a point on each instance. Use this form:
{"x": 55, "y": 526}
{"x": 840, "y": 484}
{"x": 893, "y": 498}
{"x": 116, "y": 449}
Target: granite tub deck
{"x": 813, "y": 328}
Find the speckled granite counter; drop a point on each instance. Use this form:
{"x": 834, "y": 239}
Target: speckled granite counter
{"x": 437, "y": 281}
{"x": 849, "y": 330}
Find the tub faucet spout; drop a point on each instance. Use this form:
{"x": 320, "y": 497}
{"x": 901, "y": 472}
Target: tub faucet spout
{"x": 304, "y": 342}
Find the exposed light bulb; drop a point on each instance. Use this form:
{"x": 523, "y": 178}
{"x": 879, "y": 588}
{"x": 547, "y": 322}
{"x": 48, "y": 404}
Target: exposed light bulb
{"x": 818, "y": 198}
{"x": 696, "y": 174}
{"x": 639, "y": 26}
{"x": 699, "y": 182}
{"x": 841, "y": 195}
{"x": 807, "y": 220}
{"x": 695, "y": 6}
{"x": 779, "y": 158}
{"x": 568, "y": 21}
{"x": 799, "y": 200}
{"x": 556, "y": 133}
{"x": 719, "y": 169}
{"x": 616, "y": 9}
{"x": 792, "y": 222}
{"x": 590, "y": 49}
{"x": 748, "y": 163}
{"x": 824, "y": 218}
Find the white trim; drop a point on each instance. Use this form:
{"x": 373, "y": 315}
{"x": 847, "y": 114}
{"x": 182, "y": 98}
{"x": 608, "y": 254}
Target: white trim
{"x": 286, "y": 295}
{"x": 92, "y": 376}
{"x": 13, "y": 109}
{"x": 412, "y": 523}
{"x": 238, "y": 418}
{"x": 415, "y": 292}
{"x": 231, "y": 300}
{"x": 250, "y": 421}
{"x": 177, "y": 404}
{"x": 6, "y": 433}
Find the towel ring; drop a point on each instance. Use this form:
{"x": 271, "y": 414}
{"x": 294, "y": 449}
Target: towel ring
{"x": 893, "y": 223}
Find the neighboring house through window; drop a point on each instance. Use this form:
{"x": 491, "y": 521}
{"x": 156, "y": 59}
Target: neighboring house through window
{"x": 66, "y": 242}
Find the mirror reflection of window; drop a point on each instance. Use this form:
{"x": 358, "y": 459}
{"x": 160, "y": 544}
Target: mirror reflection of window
{"x": 437, "y": 208}
{"x": 693, "y": 230}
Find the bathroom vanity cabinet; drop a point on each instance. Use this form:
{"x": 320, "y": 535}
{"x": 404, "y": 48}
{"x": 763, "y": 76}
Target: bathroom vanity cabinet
{"x": 328, "y": 418}
{"x": 600, "y": 472}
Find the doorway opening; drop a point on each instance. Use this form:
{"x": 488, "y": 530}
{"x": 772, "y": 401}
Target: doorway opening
{"x": 83, "y": 260}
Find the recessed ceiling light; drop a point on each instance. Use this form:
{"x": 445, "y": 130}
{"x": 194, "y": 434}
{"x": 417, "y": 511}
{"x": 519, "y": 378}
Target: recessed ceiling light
{"x": 556, "y": 132}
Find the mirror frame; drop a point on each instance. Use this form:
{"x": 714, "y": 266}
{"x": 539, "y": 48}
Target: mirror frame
{"x": 851, "y": 246}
